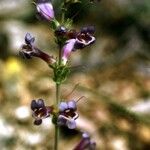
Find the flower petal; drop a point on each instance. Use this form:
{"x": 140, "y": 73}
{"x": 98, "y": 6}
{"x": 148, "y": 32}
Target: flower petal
{"x": 88, "y": 29}
{"x": 34, "y": 105}
{"x": 72, "y": 105}
{"x": 61, "y": 120}
{"x": 63, "y": 106}
{"x": 68, "y": 47}
{"x": 29, "y": 39}
{"x": 71, "y": 124}
{"x": 81, "y": 43}
{"x": 40, "y": 103}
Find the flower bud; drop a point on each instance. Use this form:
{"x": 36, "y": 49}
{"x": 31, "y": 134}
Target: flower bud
{"x": 29, "y": 39}
{"x": 45, "y": 9}
{"x": 60, "y": 31}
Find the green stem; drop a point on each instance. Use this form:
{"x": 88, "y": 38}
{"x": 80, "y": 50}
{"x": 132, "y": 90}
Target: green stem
{"x": 60, "y": 55}
{"x": 56, "y": 127}
{"x": 63, "y": 17}
{"x": 64, "y": 7}
{"x": 58, "y": 98}
{"x": 56, "y": 137}
{"x": 56, "y": 104}
{"x": 57, "y": 94}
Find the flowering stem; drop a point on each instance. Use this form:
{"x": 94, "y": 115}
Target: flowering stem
{"x": 57, "y": 94}
{"x": 56, "y": 138}
{"x": 56, "y": 127}
{"x": 56, "y": 104}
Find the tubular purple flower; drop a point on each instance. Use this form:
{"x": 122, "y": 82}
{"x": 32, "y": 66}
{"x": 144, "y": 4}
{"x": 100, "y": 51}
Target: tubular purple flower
{"x": 29, "y": 39}
{"x": 29, "y": 50}
{"x": 77, "y": 40}
{"x": 85, "y": 37}
{"x": 85, "y": 143}
{"x": 68, "y": 47}
{"x": 68, "y": 114}
{"x": 40, "y": 111}
{"x": 45, "y": 9}
{"x": 83, "y": 41}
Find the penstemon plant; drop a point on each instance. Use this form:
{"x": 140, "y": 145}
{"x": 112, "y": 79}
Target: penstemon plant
{"x": 63, "y": 113}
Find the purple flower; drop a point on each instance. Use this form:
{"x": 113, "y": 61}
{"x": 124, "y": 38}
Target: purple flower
{"x": 68, "y": 47}
{"x": 29, "y": 50}
{"x": 40, "y": 111}
{"x": 85, "y": 37}
{"x": 78, "y": 40}
{"x": 85, "y": 143}
{"x": 45, "y": 9}
{"x": 29, "y": 39}
{"x": 68, "y": 114}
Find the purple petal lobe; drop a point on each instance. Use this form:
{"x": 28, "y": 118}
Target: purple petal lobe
{"x": 34, "y": 105}
{"x": 72, "y": 105}
{"x": 63, "y": 106}
{"x": 71, "y": 124}
{"x": 29, "y": 39}
{"x": 88, "y": 29}
{"x": 40, "y": 103}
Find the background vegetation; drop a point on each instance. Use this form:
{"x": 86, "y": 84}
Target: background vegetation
{"x": 113, "y": 75}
